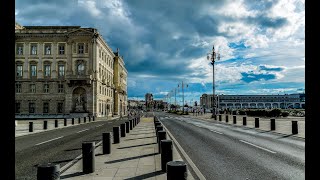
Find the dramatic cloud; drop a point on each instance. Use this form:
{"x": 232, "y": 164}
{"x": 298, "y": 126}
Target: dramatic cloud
{"x": 261, "y": 43}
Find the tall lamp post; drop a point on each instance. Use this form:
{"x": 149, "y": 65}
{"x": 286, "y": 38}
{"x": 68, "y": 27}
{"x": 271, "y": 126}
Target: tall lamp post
{"x": 212, "y": 57}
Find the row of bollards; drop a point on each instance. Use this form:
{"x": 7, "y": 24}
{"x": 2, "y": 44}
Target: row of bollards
{"x": 175, "y": 169}
{"x": 52, "y": 171}
{"x": 257, "y": 125}
{"x": 56, "y": 124}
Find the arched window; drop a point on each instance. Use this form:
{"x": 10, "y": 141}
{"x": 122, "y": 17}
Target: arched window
{"x": 80, "y": 68}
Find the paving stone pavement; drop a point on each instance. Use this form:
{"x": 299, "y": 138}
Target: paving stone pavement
{"x": 135, "y": 157}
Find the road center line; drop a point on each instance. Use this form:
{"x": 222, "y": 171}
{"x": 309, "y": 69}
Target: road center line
{"x": 82, "y": 130}
{"x": 49, "y": 140}
{"x": 257, "y": 146}
{"x": 216, "y": 132}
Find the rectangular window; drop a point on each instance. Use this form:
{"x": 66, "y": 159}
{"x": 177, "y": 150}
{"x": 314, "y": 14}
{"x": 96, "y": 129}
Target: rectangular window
{"x": 61, "y": 48}
{"x": 80, "y": 48}
{"x": 20, "y": 49}
{"x": 46, "y": 107}
{"x": 19, "y": 70}
{"x": 18, "y": 88}
{"x": 60, "y": 108}
{"x": 46, "y": 88}
{"x": 61, "y": 70}
{"x": 47, "y": 49}
{"x": 32, "y": 88}
{"x": 33, "y": 70}
{"x": 18, "y": 107}
{"x": 34, "y": 49}
{"x": 60, "y": 88}
{"x": 47, "y": 70}
{"x": 32, "y": 107}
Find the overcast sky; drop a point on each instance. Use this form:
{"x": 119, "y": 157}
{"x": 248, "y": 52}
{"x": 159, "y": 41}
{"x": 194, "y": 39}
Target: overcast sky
{"x": 165, "y": 42}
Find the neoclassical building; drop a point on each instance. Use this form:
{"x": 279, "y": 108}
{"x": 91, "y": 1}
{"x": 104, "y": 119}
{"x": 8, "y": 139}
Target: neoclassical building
{"x": 285, "y": 101}
{"x": 67, "y": 71}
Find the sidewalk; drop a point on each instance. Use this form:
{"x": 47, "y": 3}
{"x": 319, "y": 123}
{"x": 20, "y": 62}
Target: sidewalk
{"x": 22, "y": 127}
{"x": 135, "y": 157}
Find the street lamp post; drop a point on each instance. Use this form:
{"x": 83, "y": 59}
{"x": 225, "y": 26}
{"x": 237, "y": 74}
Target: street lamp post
{"x": 212, "y": 56}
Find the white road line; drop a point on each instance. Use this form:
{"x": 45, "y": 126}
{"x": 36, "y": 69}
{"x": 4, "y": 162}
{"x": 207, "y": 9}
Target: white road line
{"x": 216, "y": 132}
{"x": 49, "y": 140}
{"x": 257, "y": 146}
{"x": 99, "y": 125}
{"x": 82, "y": 130}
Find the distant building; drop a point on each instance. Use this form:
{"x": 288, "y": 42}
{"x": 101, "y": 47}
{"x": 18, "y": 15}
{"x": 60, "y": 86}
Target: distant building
{"x": 149, "y": 100}
{"x": 286, "y": 101}
{"x": 67, "y": 70}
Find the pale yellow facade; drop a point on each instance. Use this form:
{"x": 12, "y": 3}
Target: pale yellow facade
{"x": 66, "y": 70}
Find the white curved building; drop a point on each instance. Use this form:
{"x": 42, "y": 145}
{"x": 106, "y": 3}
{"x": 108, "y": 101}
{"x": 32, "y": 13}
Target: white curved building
{"x": 286, "y": 101}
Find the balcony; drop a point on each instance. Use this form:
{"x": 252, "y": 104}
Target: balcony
{"x": 79, "y": 79}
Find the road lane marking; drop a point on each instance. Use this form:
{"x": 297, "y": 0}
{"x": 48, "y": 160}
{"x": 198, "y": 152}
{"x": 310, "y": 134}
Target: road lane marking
{"x": 257, "y": 146}
{"x": 216, "y": 131}
{"x": 193, "y": 166}
{"x": 99, "y": 125}
{"x": 82, "y": 130}
{"x": 49, "y": 140}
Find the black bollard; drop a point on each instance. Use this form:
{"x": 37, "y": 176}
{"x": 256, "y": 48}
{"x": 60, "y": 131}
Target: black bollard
{"x": 234, "y": 119}
{"x": 30, "y": 126}
{"x": 116, "y": 135}
{"x": 79, "y": 120}
{"x": 244, "y": 121}
{"x": 157, "y": 124}
{"x": 88, "y": 157}
{"x": 220, "y": 117}
{"x": 48, "y": 171}
{"x": 215, "y": 117}
{"x": 176, "y": 170}
{"x": 294, "y": 127}
{"x": 159, "y": 128}
{"x": 45, "y": 124}
{"x": 123, "y": 130}
{"x": 227, "y": 118}
{"x": 166, "y": 153}
{"x": 56, "y": 123}
{"x": 89, "y": 118}
{"x": 106, "y": 143}
{"x": 72, "y": 121}
{"x": 130, "y": 123}
{"x": 93, "y": 118}
{"x": 127, "y": 126}
{"x": 256, "y": 122}
{"x": 84, "y": 119}
{"x": 65, "y": 122}
{"x": 162, "y": 136}
{"x": 273, "y": 124}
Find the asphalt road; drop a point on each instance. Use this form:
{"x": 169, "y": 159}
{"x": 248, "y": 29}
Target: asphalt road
{"x": 56, "y": 146}
{"x": 226, "y": 152}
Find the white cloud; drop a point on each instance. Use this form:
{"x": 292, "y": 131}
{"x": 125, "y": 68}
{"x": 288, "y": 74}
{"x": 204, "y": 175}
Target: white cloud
{"x": 235, "y": 9}
{"x": 90, "y": 6}
{"x": 258, "y": 41}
